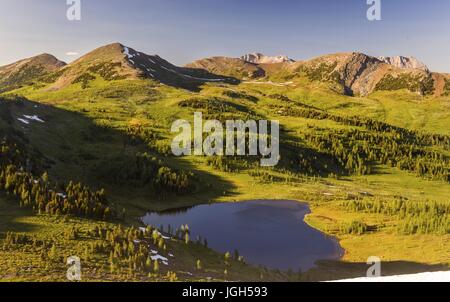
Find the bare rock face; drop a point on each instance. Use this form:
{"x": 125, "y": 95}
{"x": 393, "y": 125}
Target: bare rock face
{"x": 258, "y": 58}
{"x": 404, "y": 62}
{"x": 358, "y": 74}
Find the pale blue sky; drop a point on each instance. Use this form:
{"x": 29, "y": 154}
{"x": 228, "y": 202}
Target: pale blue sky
{"x": 185, "y": 30}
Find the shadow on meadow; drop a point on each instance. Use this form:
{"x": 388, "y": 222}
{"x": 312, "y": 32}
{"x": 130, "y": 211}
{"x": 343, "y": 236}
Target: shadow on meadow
{"x": 76, "y": 148}
{"x": 10, "y": 214}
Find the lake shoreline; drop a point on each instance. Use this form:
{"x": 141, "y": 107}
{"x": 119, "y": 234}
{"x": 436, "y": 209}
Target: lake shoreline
{"x": 289, "y": 207}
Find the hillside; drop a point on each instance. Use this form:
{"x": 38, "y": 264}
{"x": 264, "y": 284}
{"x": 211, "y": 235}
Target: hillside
{"x": 232, "y": 67}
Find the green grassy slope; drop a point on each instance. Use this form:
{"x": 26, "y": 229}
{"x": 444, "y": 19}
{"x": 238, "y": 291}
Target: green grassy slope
{"x": 105, "y": 123}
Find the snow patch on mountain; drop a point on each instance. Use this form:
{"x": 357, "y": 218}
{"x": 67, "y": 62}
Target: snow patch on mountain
{"x": 34, "y": 118}
{"x": 23, "y": 121}
{"x": 127, "y": 52}
{"x": 26, "y": 119}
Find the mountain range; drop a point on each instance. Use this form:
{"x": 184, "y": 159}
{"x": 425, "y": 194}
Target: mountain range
{"x": 345, "y": 73}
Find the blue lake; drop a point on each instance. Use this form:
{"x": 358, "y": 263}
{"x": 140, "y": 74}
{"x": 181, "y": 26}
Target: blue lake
{"x": 270, "y": 233}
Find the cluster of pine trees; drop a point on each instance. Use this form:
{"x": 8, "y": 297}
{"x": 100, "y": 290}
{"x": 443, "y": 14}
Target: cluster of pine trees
{"x": 355, "y": 227}
{"x": 172, "y": 181}
{"x": 414, "y": 217}
{"x": 296, "y": 159}
{"x": 129, "y": 248}
{"x": 355, "y": 149}
{"x": 137, "y": 134}
{"x": 220, "y": 163}
{"x": 143, "y": 170}
{"x": 38, "y": 193}
{"x": 409, "y": 136}
{"x": 232, "y": 163}
{"x": 417, "y": 83}
{"x": 17, "y": 241}
{"x": 215, "y": 108}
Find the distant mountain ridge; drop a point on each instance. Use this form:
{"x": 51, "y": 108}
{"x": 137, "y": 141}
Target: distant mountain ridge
{"x": 259, "y": 58}
{"x": 117, "y": 62}
{"x": 347, "y": 73}
{"x": 350, "y": 73}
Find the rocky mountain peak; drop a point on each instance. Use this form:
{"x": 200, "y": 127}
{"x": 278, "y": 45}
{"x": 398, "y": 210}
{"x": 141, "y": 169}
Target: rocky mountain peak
{"x": 259, "y": 58}
{"x": 404, "y": 62}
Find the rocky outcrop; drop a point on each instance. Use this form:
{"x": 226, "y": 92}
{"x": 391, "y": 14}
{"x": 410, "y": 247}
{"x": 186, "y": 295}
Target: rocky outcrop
{"x": 258, "y": 58}
{"x": 404, "y": 62}
{"x": 359, "y": 74}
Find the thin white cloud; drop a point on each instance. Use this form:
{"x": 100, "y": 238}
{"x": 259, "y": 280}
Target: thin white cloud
{"x": 71, "y": 53}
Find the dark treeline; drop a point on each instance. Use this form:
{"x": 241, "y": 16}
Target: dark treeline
{"x": 413, "y": 217}
{"x": 212, "y": 105}
{"x": 296, "y": 159}
{"x": 380, "y": 142}
{"x": 137, "y": 135}
{"x": 240, "y": 95}
{"x": 222, "y": 163}
{"x": 355, "y": 227}
{"x": 307, "y": 160}
{"x": 356, "y": 149}
{"x": 39, "y": 194}
{"x": 143, "y": 170}
{"x": 415, "y": 83}
{"x": 409, "y": 136}
{"x": 215, "y": 108}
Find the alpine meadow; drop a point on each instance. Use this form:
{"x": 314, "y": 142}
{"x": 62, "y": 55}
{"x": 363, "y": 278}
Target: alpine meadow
{"x": 87, "y": 167}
